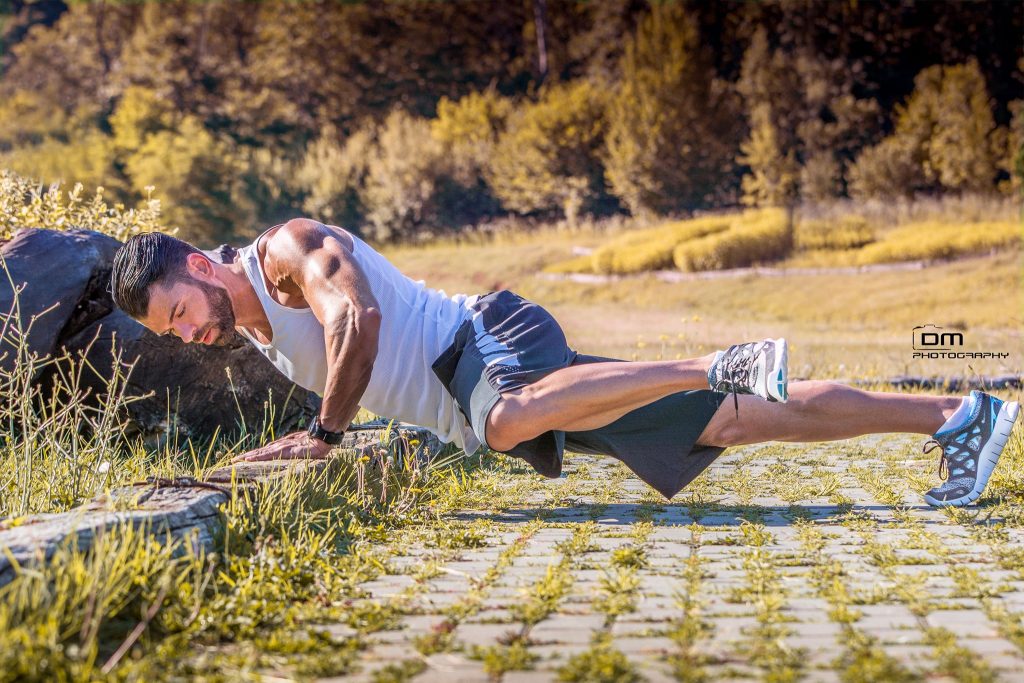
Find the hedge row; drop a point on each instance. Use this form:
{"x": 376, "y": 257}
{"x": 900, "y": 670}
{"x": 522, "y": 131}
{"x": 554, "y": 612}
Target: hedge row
{"x": 758, "y": 236}
{"x": 932, "y": 240}
{"x": 851, "y": 232}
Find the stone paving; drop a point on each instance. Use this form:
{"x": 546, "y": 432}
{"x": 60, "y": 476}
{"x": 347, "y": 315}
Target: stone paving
{"x": 781, "y": 562}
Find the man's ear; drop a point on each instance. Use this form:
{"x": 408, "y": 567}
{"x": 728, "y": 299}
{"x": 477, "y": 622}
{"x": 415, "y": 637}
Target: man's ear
{"x": 199, "y": 266}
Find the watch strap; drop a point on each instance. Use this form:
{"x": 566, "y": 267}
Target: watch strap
{"x": 317, "y": 431}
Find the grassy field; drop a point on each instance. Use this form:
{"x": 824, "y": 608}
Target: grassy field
{"x": 347, "y": 574}
{"x": 839, "y": 325}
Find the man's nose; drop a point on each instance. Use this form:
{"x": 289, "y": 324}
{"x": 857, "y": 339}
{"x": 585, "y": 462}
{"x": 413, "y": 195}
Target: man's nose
{"x": 187, "y": 332}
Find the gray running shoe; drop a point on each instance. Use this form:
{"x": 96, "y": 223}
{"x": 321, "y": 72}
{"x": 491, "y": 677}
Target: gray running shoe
{"x": 758, "y": 368}
{"x": 970, "y": 453}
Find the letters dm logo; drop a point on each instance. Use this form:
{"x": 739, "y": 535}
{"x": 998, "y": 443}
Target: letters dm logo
{"x": 932, "y": 341}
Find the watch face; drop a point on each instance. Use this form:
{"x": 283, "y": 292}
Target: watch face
{"x": 317, "y": 431}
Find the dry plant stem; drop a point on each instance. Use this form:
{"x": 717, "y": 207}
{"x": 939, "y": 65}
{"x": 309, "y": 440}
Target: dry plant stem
{"x": 136, "y": 632}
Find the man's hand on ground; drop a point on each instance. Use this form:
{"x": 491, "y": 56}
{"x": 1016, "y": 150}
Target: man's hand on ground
{"x": 298, "y": 445}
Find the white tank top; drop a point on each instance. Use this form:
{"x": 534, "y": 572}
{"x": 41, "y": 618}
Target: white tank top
{"x": 417, "y": 324}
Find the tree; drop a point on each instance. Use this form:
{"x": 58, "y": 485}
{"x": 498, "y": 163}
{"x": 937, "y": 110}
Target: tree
{"x": 945, "y": 138}
{"x": 74, "y": 63}
{"x": 406, "y": 176}
{"x": 548, "y": 159}
{"x": 333, "y": 173}
{"x": 672, "y": 127}
{"x": 963, "y": 150}
{"x": 772, "y": 180}
{"x": 815, "y": 119}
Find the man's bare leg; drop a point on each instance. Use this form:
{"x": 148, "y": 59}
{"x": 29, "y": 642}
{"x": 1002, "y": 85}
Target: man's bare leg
{"x": 825, "y": 411}
{"x": 588, "y": 396}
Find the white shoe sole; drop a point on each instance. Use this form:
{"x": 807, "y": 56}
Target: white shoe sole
{"x": 778, "y": 386}
{"x": 988, "y": 458}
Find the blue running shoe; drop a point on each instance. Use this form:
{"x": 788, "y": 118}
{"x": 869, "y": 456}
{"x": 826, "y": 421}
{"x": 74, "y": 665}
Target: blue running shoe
{"x": 970, "y": 452}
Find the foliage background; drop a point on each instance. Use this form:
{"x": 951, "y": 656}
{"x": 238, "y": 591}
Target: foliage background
{"x": 403, "y": 120}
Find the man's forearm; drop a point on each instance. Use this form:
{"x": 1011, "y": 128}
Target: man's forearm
{"x": 341, "y": 401}
{"x": 351, "y": 352}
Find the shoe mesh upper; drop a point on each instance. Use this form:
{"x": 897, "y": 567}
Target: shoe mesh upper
{"x": 962, "y": 446}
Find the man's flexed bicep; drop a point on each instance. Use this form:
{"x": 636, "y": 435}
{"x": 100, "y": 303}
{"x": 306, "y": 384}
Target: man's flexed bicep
{"x": 313, "y": 262}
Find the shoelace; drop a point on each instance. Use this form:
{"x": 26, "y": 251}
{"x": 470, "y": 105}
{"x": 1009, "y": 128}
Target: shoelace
{"x": 956, "y": 454}
{"x": 943, "y": 465}
{"x": 735, "y": 368}
{"x": 951, "y": 450}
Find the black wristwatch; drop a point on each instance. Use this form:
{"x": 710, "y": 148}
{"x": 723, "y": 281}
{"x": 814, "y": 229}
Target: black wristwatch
{"x": 318, "y": 432}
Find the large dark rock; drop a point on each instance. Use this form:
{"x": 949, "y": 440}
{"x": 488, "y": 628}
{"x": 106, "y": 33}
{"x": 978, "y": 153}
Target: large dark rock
{"x": 195, "y": 389}
{"x": 54, "y": 270}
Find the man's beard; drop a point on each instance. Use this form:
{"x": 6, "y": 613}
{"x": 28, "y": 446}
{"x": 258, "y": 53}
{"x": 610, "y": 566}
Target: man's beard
{"x": 223, "y": 316}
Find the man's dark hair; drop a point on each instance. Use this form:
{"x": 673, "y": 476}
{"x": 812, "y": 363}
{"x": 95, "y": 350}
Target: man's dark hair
{"x": 141, "y": 262}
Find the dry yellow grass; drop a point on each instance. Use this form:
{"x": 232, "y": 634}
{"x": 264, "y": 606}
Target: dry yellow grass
{"x": 652, "y": 249}
{"x": 840, "y": 324}
{"x": 932, "y": 240}
{"x": 754, "y": 237}
{"x": 848, "y": 232}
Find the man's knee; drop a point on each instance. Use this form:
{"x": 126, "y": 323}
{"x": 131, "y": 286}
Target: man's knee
{"x": 723, "y": 429}
{"x": 500, "y": 426}
{"x": 504, "y": 425}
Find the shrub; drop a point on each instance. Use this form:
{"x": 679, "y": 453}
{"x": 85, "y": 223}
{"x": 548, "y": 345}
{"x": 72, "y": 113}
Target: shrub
{"x": 548, "y": 158}
{"x": 86, "y": 158}
{"x": 671, "y": 125}
{"x": 469, "y": 129}
{"x": 934, "y": 240}
{"x": 821, "y": 177}
{"x": 652, "y": 249}
{"x": 29, "y": 119}
{"x": 332, "y": 174}
{"x": 758, "y": 236}
{"x": 406, "y": 173}
{"x": 849, "y": 232}
{"x": 199, "y": 172}
{"x": 887, "y": 169}
{"x": 578, "y": 264}
{"x": 25, "y": 204}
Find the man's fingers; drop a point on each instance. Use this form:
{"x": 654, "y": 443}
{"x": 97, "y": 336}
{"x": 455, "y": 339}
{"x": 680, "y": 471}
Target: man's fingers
{"x": 253, "y": 455}
{"x": 291, "y": 447}
{"x": 257, "y": 456}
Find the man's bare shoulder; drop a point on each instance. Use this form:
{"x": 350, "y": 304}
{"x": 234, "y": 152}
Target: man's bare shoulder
{"x": 288, "y": 247}
{"x": 304, "y": 236}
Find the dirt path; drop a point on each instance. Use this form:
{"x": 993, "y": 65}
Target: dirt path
{"x": 760, "y": 271}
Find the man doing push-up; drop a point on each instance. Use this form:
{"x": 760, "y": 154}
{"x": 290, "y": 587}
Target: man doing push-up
{"x": 337, "y": 318}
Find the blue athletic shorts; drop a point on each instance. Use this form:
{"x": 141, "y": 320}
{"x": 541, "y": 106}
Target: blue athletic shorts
{"x": 510, "y": 342}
